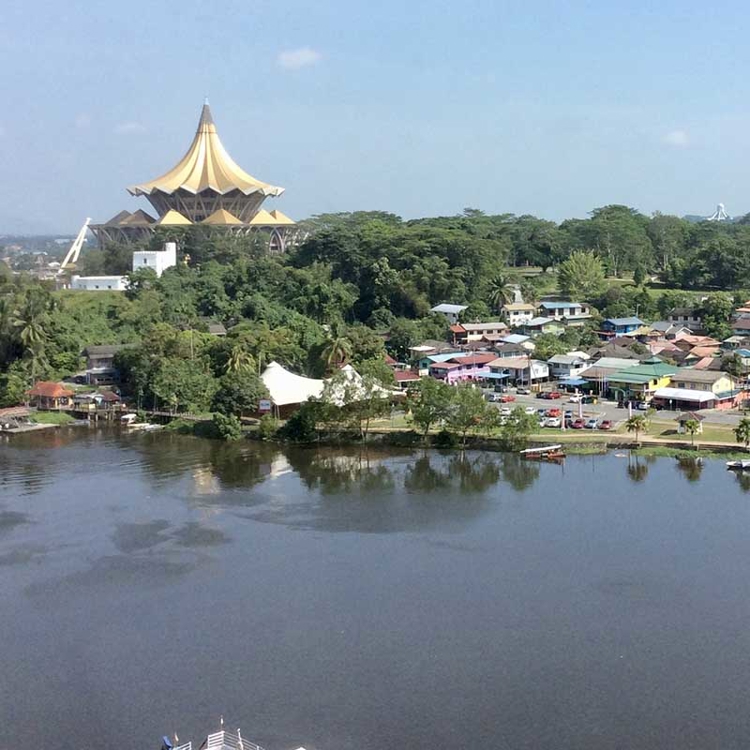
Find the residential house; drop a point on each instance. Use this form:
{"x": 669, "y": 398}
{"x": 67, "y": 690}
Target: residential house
{"x": 741, "y": 326}
{"x": 665, "y": 329}
{"x": 510, "y": 350}
{"x": 466, "y": 332}
{"x": 217, "y": 329}
{"x": 451, "y": 312}
{"x": 50, "y": 396}
{"x": 518, "y": 338}
{"x": 538, "y": 326}
{"x": 424, "y": 363}
{"x": 571, "y": 313}
{"x": 405, "y": 378}
{"x": 701, "y": 389}
{"x": 458, "y": 369}
{"x": 100, "y": 363}
{"x": 614, "y": 350}
{"x": 518, "y": 370}
{"x": 566, "y": 366}
{"x": 641, "y": 382}
{"x": 517, "y": 313}
{"x": 686, "y": 316}
{"x": 600, "y": 370}
{"x": 620, "y": 326}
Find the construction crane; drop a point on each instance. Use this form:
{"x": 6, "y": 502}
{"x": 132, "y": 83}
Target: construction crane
{"x": 75, "y": 248}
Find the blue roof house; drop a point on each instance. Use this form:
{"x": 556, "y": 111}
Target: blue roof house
{"x": 620, "y": 326}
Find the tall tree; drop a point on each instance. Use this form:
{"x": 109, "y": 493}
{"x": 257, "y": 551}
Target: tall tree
{"x": 429, "y": 403}
{"x": 581, "y": 275}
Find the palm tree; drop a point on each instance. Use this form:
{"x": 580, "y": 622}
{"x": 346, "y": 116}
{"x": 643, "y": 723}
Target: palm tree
{"x": 501, "y": 290}
{"x": 239, "y": 359}
{"x": 637, "y": 424}
{"x": 742, "y": 432}
{"x": 337, "y": 349}
{"x": 692, "y": 427}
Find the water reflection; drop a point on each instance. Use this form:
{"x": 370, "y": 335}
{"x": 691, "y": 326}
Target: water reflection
{"x": 690, "y": 468}
{"x": 743, "y": 480}
{"x": 637, "y": 467}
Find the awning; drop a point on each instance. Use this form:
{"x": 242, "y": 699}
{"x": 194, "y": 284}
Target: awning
{"x": 496, "y": 375}
{"x": 684, "y": 394}
{"x": 573, "y": 381}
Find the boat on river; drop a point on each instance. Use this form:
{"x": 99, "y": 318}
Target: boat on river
{"x": 221, "y": 740}
{"x": 741, "y": 465}
{"x": 545, "y": 453}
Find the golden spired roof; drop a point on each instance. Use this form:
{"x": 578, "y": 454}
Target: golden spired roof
{"x": 206, "y": 166}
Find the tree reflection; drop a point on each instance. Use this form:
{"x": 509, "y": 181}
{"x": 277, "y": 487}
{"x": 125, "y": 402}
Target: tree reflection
{"x": 519, "y": 474}
{"x": 637, "y": 468}
{"x": 743, "y": 479}
{"x": 691, "y": 468}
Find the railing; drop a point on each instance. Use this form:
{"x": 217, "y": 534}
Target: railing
{"x": 225, "y": 740}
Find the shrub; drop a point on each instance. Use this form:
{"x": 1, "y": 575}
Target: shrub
{"x": 267, "y": 427}
{"x": 228, "y": 427}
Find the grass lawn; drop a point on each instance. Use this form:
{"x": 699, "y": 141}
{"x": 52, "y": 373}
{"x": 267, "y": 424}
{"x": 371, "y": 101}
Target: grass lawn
{"x": 51, "y": 417}
{"x": 711, "y": 433}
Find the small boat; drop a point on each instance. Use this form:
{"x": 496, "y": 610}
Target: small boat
{"x": 129, "y": 421}
{"x": 546, "y": 453}
{"x": 742, "y": 465}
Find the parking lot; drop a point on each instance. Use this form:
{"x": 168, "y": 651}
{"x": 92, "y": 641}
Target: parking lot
{"x": 609, "y": 409}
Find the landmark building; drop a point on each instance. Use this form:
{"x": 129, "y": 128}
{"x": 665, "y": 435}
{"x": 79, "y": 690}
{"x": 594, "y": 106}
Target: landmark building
{"x": 206, "y": 187}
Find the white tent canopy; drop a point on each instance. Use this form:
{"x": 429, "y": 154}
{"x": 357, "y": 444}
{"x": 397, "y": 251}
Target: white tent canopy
{"x": 683, "y": 394}
{"x": 287, "y": 388}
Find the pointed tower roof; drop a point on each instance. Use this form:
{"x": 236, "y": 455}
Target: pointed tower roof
{"x": 281, "y": 218}
{"x": 206, "y": 166}
{"x": 270, "y": 219}
{"x": 174, "y": 219}
{"x": 221, "y": 216}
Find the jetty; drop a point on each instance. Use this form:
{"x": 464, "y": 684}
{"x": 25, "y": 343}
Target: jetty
{"x": 221, "y": 740}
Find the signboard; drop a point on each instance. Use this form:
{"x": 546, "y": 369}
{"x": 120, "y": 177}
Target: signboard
{"x": 264, "y": 405}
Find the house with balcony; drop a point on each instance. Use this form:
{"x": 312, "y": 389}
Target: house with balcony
{"x": 567, "y": 312}
{"x": 464, "y": 333}
{"x": 537, "y": 326}
{"x": 687, "y": 317}
{"x": 450, "y": 312}
{"x": 518, "y": 370}
{"x": 563, "y": 366}
{"x": 461, "y": 368}
{"x": 517, "y": 313}
{"x": 613, "y": 327}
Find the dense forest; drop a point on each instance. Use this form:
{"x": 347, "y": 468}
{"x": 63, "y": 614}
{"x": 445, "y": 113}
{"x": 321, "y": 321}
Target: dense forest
{"x": 358, "y": 284}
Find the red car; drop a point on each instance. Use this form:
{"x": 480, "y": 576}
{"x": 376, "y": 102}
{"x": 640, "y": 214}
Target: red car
{"x": 555, "y": 394}
{"x": 577, "y": 424}
{"x": 553, "y": 412}
{"x": 507, "y": 398}
{"x": 605, "y": 424}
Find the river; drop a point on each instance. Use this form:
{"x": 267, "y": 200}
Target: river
{"x": 153, "y": 582}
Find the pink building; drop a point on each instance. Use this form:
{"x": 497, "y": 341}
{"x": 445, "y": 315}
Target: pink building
{"x": 473, "y": 367}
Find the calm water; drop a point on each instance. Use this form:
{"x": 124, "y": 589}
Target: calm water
{"x": 151, "y": 583}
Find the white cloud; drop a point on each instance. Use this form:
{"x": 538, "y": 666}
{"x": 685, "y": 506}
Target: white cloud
{"x": 83, "y": 120}
{"x": 677, "y": 138}
{"x": 129, "y": 128}
{"x": 304, "y": 57}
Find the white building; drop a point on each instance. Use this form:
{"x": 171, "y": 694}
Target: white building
{"x": 566, "y": 365}
{"x": 518, "y": 313}
{"x": 99, "y": 283}
{"x": 158, "y": 260}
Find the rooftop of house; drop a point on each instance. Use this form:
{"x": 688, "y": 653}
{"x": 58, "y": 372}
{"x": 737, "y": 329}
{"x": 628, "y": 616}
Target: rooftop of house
{"x": 686, "y": 416}
{"x": 683, "y": 312}
{"x": 513, "y": 363}
{"x": 49, "y": 389}
{"x": 631, "y": 321}
{"x": 536, "y": 322}
{"x": 402, "y": 376}
{"x": 102, "y": 350}
{"x": 518, "y": 307}
{"x": 741, "y": 324}
{"x": 493, "y": 326}
{"x": 691, "y": 375}
{"x": 445, "y": 307}
{"x": 515, "y": 338}
{"x": 566, "y": 359}
{"x": 559, "y": 305}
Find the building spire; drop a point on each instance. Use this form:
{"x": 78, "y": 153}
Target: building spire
{"x": 206, "y": 116}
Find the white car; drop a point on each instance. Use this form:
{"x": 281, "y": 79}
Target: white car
{"x": 576, "y": 398}
{"x": 553, "y": 422}
{"x": 505, "y": 411}
{"x": 530, "y": 410}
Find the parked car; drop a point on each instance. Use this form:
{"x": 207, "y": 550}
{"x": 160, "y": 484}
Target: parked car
{"x": 605, "y": 425}
{"x": 505, "y": 411}
{"x": 530, "y": 410}
{"x": 553, "y": 422}
{"x": 507, "y": 398}
{"x": 642, "y": 406}
{"x": 541, "y": 394}
{"x": 577, "y": 424}
{"x": 554, "y": 412}
{"x": 589, "y": 399}
{"x": 568, "y": 414}
{"x": 501, "y": 389}
{"x": 554, "y": 394}
{"x": 523, "y": 391}
{"x": 542, "y": 421}
{"x": 576, "y": 398}
{"x": 591, "y": 424}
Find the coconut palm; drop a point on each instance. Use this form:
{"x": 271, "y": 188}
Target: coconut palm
{"x": 692, "y": 427}
{"x": 742, "y": 432}
{"x": 501, "y": 290}
{"x": 637, "y": 424}
{"x": 239, "y": 360}
{"x": 337, "y": 349}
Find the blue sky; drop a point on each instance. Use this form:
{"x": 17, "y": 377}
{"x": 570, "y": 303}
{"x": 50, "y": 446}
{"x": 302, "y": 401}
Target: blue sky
{"x": 420, "y": 108}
